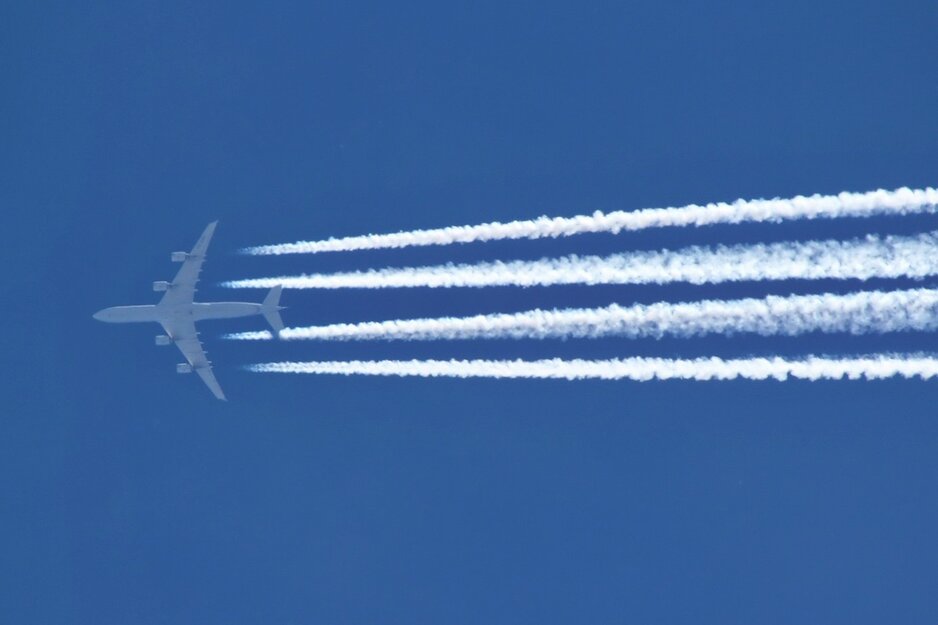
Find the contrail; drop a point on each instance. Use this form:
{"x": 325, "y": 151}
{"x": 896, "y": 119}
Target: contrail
{"x": 855, "y": 313}
{"x": 872, "y": 257}
{"x": 881, "y": 202}
{"x": 640, "y": 369}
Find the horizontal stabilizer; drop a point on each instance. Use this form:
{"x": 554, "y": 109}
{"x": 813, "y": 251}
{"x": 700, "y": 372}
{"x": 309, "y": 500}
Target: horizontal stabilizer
{"x": 271, "y": 309}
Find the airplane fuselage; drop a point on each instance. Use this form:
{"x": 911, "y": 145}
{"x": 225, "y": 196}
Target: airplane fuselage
{"x": 155, "y": 313}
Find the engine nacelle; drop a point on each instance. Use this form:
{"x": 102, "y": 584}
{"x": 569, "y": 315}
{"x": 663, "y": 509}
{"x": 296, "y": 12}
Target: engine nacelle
{"x": 162, "y": 339}
{"x": 183, "y": 368}
{"x": 178, "y": 257}
{"x": 161, "y": 285}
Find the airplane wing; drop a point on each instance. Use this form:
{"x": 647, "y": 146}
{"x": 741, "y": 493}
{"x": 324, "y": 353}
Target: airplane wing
{"x": 183, "y": 333}
{"x": 182, "y": 290}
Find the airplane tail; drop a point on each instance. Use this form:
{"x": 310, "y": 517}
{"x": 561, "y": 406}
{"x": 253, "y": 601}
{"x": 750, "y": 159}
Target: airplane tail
{"x": 271, "y": 308}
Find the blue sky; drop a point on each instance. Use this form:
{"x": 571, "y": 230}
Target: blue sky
{"x": 127, "y": 494}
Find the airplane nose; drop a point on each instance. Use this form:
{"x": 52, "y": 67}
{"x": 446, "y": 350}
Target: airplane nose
{"x": 98, "y": 315}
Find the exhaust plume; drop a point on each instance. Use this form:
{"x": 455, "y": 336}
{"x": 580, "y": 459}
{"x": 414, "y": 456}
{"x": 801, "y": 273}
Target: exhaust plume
{"x": 639, "y": 369}
{"x": 881, "y": 202}
{"x": 855, "y": 313}
{"x": 872, "y": 257}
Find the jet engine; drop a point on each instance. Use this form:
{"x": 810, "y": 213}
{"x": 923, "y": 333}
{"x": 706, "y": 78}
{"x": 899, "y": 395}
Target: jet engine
{"x": 178, "y": 257}
{"x": 161, "y": 285}
{"x": 162, "y": 339}
{"x": 183, "y": 368}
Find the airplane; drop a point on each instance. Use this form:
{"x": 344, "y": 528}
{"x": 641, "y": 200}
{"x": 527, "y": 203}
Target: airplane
{"x": 178, "y": 313}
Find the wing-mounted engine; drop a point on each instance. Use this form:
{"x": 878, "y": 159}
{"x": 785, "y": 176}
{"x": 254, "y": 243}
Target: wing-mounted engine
{"x": 161, "y": 285}
{"x": 162, "y": 340}
{"x": 179, "y": 257}
{"x": 183, "y": 367}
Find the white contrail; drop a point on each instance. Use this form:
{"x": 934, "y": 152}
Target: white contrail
{"x": 856, "y": 313}
{"x": 881, "y": 202}
{"x": 640, "y": 369}
{"x": 872, "y": 257}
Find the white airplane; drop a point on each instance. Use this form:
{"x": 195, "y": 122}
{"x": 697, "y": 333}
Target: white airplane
{"x": 177, "y": 312}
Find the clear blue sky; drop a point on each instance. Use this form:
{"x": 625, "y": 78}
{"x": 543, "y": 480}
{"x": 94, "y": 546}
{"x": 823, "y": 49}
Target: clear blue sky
{"x": 129, "y": 495}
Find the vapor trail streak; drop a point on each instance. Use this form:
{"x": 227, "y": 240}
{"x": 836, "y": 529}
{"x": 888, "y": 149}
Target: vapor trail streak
{"x": 881, "y": 202}
{"x": 872, "y": 257}
{"x": 856, "y": 313}
{"x": 639, "y": 369}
